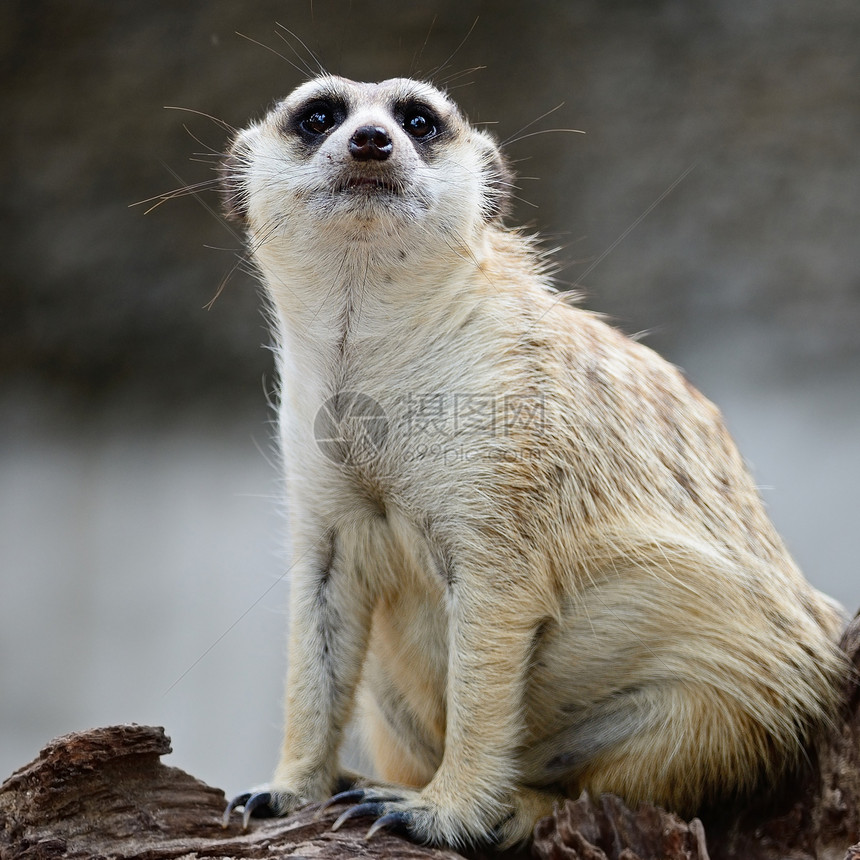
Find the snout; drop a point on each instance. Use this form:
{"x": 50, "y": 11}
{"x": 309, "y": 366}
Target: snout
{"x": 370, "y": 143}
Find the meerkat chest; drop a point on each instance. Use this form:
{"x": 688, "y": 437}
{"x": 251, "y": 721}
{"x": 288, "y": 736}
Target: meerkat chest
{"x": 404, "y": 414}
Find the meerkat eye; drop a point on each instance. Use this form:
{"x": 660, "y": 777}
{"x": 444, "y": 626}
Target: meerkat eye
{"x": 419, "y": 123}
{"x": 319, "y": 122}
{"x": 318, "y": 118}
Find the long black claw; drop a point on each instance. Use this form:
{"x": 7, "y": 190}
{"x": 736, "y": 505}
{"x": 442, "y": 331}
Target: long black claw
{"x": 356, "y": 794}
{"x": 343, "y": 797}
{"x": 238, "y": 800}
{"x": 396, "y": 821}
{"x": 373, "y": 808}
{"x": 262, "y": 803}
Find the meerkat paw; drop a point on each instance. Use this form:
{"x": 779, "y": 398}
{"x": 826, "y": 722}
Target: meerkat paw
{"x": 268, "y": 801}
{"x": 263, "y": 801}
{"x": 408, "y": 812}
{"x": 412, "y": 814}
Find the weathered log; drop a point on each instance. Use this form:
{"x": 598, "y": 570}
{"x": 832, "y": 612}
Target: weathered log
{"x": 105, "y": 793}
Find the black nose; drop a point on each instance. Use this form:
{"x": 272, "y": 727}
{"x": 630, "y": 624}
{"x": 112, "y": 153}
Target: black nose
{"x": 370, "y": 142}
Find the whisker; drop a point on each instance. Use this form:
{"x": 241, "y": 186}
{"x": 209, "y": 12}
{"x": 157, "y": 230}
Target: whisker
{"x": 269, "y": 48}
{"x": 222, "y": 221}
{"x": 184, "y": 191}
{"x": 223, "y": 123}
{"x": 620, "y": 239}
{"x": 219, "y": 248}
{"x": 638, "y": 221}
{"x": 222, "y": 285}
{"x": 516, "y": 134}
{"x": 542, "y": 131}
{"x": 527, "y": 202}
{"x": 206, "y": 146}
{"x": 243, "y": 263}
{"x": 438, "y": 70}
{"x": 453, "y": 77}
{"x": 320, "y": 68}
{"x": 413, "y": 72}
{"x": 460, "y": 86}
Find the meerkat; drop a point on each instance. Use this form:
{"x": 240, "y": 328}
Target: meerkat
{"x": 524, "y": 547}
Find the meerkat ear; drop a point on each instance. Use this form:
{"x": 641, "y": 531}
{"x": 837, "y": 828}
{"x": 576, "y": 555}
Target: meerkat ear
{"x": 233, "y": 188}
{"x": 498, "y": 182}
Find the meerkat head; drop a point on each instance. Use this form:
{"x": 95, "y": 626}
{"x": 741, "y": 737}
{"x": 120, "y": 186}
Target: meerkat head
{"x": 393, "y": 154}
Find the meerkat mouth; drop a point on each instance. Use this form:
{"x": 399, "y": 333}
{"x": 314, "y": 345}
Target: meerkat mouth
{"x": 368, "y": 184}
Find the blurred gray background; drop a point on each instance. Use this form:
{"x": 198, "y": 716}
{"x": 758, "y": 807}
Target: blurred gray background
{"x": 141, "y": 563}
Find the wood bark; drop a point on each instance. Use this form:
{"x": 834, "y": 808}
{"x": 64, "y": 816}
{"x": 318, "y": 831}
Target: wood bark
{"x": 106, "y": 794}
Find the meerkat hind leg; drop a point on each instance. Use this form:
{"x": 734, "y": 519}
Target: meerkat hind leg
{"x": 673, "y": 744}
{"x": 652, "y": 715}
{"x": 591, "y": 732}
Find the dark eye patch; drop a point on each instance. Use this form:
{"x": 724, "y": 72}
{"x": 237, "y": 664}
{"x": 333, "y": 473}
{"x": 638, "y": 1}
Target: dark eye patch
{"x": 419, "y": 121}
{"x": 317, "y": 118}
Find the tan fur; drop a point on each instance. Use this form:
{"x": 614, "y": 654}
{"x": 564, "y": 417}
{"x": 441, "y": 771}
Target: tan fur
{"x": 554, "y": 573}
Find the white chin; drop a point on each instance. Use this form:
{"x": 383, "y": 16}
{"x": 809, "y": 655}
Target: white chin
{"x": 370, "y": 203}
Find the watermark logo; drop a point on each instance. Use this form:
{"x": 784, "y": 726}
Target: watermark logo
{"x": 351, "y": 428}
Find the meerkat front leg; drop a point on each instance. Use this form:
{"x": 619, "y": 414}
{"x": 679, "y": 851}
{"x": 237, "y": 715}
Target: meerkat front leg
{"x": 330, "y": 613}
{"x": 472, "y": 797}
